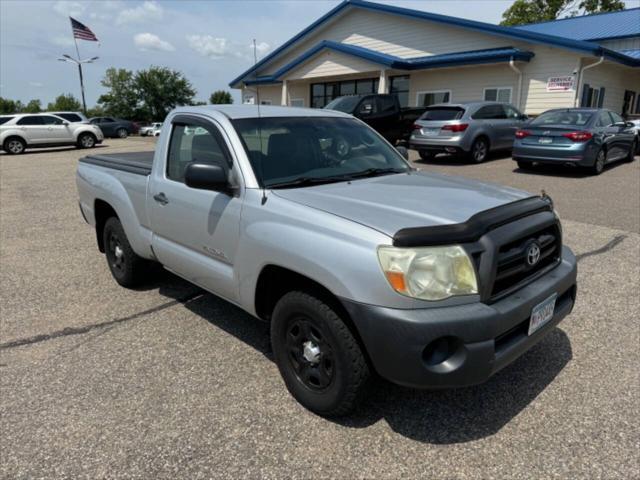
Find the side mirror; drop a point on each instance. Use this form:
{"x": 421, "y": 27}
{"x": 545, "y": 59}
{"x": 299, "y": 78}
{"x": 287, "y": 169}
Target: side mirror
{"x": 630, "y": 124}
{"x": 205, "y": 176}
{"x": 65, "y": 123}
{"x": 403, "y": 151}
{"x": 365, "y": 109}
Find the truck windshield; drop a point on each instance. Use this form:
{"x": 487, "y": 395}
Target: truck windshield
{"x": 343, "y": 104}
{"x": 287, "y": 152}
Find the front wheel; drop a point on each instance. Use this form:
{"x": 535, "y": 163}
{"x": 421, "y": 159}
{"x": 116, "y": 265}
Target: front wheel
{"x": 86, "y": 140}
{"x": 318, "y": 357}
{"x": 479, "y": 150}
{"x": 122, "y": 133}
{"x": 632, "y": 151}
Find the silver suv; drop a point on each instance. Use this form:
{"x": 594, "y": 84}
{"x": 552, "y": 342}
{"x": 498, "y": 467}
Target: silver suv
{"x": 473, "y": 129}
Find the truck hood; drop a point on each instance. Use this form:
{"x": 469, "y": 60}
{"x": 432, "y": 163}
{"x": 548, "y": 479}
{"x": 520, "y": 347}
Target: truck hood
{"x": 393, "y": 202}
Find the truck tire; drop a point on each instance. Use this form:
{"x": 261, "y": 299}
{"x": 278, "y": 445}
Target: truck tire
{"x": 86, "y": 140}
{"x": 318, "y": 357}
{"x": 122, "y": 133}
{"x": 426, "y": 155}
{"x": 127, "y": 268}
{"x": 14, "y": 145}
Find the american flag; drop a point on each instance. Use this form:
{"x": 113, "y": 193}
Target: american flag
{"x": 82, "y": 31}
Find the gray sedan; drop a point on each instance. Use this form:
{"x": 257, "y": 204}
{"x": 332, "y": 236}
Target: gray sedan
{"x": 473, "y": 129}
{"x": 585, "y": 137}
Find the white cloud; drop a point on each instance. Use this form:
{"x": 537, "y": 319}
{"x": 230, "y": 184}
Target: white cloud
{"x": 149, "y": 41}
{"x": 63, "y": 40}
{"x": 148, "y": 11}
{"x": 65, "y": 7}
{"x": 216, "y": 47}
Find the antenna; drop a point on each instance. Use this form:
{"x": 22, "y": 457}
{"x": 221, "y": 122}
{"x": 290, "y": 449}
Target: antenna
{"x": 255, "y": 74}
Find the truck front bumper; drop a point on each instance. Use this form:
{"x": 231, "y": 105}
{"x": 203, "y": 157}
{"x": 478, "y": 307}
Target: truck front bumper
{"x": 461, "y": 345}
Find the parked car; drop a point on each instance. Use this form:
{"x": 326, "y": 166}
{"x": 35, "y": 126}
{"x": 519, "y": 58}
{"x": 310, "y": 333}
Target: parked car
{"x": 151, "y": 130}
{"x": 381, "y": 112}
{"x": 114, "y": 127}
{"x": 473, "y": 129}
{"x": 19, "y": 132}
{"x": 636, "y": 128}
{"x": 309, "y": 220}
{"x": 584, "y": 137}
{"x": 72, "y": 117}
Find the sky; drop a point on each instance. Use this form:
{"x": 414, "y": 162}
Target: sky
{"x": 210, "y": 41}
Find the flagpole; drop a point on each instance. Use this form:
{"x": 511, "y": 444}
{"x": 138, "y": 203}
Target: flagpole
{"x": 84, "y": 103}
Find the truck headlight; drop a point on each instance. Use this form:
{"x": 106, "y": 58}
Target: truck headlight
{"x": 429, "y": 273}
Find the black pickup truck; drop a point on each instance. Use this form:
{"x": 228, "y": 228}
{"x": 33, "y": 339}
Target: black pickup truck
{"x": 380, "y": 111}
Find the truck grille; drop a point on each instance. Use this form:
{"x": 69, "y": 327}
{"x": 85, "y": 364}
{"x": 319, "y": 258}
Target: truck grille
{"x": 513, "y": 266}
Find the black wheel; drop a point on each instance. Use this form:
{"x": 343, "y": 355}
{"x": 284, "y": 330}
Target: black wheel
{"x": 598, "y": 165}
{"x": 317, "y": 355}
{"x": 127, "y": 268}
{"x": 479, "y": 150}
{"x": 426, "y": 155}
{"x": 525, "y": 165}
{"x": 14, "y": 145}
{"x": 86, "y": 140}
{"x": 632, "y": 151}
{"x": 122, "y": 133}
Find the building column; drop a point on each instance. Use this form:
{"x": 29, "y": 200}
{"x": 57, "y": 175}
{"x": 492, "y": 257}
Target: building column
{"x": 382, "y": 83}
{"x": 285, "y": 94}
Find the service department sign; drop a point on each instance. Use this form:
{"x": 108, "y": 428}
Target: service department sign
{"x": 560, "y": 84}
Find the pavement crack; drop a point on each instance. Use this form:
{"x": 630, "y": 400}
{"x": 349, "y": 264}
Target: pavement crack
{"x": 613, "y": 243}
{"x": 65, "y": 332}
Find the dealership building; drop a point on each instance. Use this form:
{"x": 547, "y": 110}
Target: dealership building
{"x": 424, "y": 58}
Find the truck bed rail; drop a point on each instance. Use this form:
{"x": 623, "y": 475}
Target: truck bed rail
{"x": 138, "y": 163}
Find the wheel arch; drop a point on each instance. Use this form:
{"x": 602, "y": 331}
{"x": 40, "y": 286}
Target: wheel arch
{"x": 275, "y": 281}
{"x": 103, "y": 211}
{"x": 11, "y": 135}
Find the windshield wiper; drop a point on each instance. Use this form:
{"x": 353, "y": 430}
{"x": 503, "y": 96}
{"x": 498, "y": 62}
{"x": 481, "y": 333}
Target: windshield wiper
{"x": 374, "y": 172}
{"x": 306, "y": 181}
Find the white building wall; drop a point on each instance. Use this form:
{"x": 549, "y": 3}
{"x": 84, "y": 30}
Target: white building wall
{"x": 616, "y": 79}
{"x": 330, "y": 63}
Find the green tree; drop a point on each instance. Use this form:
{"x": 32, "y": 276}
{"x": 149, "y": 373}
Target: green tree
{"x": 121, "y": 100}
{"x": 530, "y": 11}
{"x": 65, "y": 103}
{"x": 161, "y": 89}
{"x": 220, "y": 97}
{"x": 10, "y": 106}
{"x": 96, "y": 111}
{"x": 34, "y": 106}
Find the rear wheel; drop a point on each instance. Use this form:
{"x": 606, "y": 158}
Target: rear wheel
{"x": 86, "y": 140}
{"x": 122, "y": 133}
{"x": 598, "y": 165}
{"x": 479, "y": 150}
{"x": 127, "y": 268}
{"x": 14, "y": 145}
{"x": 426, "y": 155}
{"x": 317, "y": 355}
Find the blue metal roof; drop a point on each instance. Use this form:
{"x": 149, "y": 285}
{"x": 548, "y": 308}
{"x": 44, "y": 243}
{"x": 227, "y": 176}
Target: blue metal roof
{"x": 600, "y": 26}
{"x": 497, "y": 30}
{"x": 474, "y": 57}
{"x": 631, "y": 53}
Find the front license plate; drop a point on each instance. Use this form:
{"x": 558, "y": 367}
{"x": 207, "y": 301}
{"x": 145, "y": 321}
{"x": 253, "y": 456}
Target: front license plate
{"x": 542, "y": 313}
{"x": 545, "y": 140}
{"x": 431, "y": 132}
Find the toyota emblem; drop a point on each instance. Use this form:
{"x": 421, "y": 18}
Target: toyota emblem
{"x": 533, "y": 254}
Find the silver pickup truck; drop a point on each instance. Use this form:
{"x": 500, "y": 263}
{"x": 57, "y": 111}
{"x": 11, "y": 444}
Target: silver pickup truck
{"x": 363, "y": 265}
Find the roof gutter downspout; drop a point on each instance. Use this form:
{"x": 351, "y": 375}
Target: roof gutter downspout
{"x": 512, "y": 65}
{"x": 580, "y": 76}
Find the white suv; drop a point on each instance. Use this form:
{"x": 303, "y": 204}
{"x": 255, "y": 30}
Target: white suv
{"x": 22, "y": 131}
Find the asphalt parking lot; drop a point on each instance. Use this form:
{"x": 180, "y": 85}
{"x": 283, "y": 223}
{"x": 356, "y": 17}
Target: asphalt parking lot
{"x": 97, "y": 381}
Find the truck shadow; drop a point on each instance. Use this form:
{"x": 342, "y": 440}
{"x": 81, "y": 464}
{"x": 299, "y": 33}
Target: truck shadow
{"x": 436, "y": 417}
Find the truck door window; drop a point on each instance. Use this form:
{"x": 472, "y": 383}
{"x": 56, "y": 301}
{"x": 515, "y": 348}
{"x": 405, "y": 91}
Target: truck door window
{"x": 387, "y": 104}
{"x": 194, "y": 144}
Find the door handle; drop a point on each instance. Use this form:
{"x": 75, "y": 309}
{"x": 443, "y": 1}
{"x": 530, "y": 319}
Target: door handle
{"x": 161, "y": 198}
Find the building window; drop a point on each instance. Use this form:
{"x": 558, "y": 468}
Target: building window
{"x": 592, "y": 97}
{"x": 399, "y": 86}
{"x": 297, "y": 102}
{"x": 498, "y": 94}
{"x": 424, "y": 99}
{"x": 265, "y": 102}
{"x": 323, "y": 93}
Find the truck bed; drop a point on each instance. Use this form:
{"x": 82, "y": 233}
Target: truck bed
{"x": 132, "y": 162}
